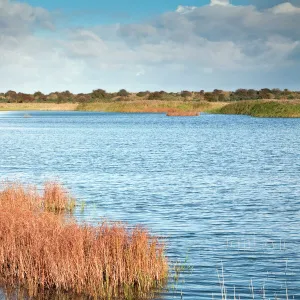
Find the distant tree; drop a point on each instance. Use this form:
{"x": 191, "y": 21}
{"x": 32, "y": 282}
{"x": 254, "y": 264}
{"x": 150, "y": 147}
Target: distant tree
{"x": 98, "y": 94}
{"x": 82, "y": 98}
{"x": 286, "y": 93}
{"x": 217, "y": 92}
{"x": 222, "y": 98}
{"x": 38, "y": 95}
{"x": 21, "y": 97}
{"x": 11, "y": 95}
{"x": 65, "y": 96}
{"x": 123, "y": 93}
{"x": 52, "y": 96}
{"x": 265, "y": 94}
{"x": 252, "y": 94}
{"x": 218, "y": 95}
{"x": 208, "y": 96}
{"x": 143, "y": 94}
{"x": 186, "y": 94}
{"x": 276, "y": 91}
{"x": 155, "y": 96}
{"x": 241, "y": 94}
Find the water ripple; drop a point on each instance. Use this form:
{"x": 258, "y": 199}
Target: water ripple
{"x": 223, "y": 191}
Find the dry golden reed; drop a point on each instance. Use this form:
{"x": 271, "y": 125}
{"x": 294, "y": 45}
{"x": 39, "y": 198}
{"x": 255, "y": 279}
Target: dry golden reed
{"x": 57, "y": 199}
{"x": 43, "y": 251}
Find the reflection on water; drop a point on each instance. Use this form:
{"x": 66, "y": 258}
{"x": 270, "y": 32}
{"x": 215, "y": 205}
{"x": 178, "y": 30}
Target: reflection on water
{"x": 223, "y": 191}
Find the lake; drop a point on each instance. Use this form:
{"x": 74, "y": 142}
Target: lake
{"x": 222, "y": 190}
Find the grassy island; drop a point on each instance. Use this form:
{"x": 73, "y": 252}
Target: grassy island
{"x": 263, "y": 108}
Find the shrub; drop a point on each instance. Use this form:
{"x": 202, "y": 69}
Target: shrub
{"x": 11, "y": 95}
{"x": 82, "y": 98}
{"x": 186, "y": 94}
{"x": 142, "y": 94}
{"x": 155, "y": 96}
{"x": 123, "y": 93}
{"x": 98, "y": 94}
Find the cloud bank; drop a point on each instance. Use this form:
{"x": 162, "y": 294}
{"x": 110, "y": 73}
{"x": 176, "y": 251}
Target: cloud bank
{"x": 241, "y": 46}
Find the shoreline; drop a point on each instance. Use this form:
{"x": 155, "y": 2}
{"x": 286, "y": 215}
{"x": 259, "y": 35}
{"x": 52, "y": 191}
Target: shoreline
{"x": 175, "y": 108}
{"x": 172, "y": 108}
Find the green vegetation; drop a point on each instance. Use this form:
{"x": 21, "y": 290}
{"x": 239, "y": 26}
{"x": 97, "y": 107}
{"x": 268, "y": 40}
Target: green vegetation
{"x": 100, "y": 95}
{"x": 262, "y": 108}
{"x": 260, "y": 103}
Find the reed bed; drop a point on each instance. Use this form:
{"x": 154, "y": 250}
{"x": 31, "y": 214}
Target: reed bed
{"x": 57, "y": 199}
{"x": 42, "y": 250}
{"x": 152, "y": 106}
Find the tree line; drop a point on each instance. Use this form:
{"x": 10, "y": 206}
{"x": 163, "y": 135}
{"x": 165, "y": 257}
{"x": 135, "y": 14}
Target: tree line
{"x": 102, "y": 95}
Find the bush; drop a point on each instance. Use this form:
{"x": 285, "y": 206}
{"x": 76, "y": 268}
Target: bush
{"x": 186, "y": 94}
{"x": 98, "y": 94}
{"x": 155, "y": 96}
{"x": 142, "y": 94}
{"x": 123, "y": 93}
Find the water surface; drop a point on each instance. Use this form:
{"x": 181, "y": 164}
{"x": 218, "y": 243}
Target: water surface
{"x": 222, "y": 190}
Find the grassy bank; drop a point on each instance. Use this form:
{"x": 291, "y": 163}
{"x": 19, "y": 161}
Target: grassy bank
{"x": 38, "y": 106}
{"x": 255, "y": 108}
{"x": 154, "y": 106}
{"x": 44, "y": 250}
{"x": 170, "y": 107}
{"x": 263, "y": 108}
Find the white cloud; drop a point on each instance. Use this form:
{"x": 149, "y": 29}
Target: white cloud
{"x": 20, "y": 17}
{"x": 285, "y": 8}
{"x": 191, "y": 48}
{"x": 219, "y": 2}
{"x": 185, "y": 9}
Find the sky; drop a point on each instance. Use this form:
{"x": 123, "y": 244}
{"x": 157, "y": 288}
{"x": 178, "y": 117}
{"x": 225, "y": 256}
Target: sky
{"x": 175, "y": 45}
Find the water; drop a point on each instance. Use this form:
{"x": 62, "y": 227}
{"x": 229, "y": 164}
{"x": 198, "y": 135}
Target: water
{"x": 222, "y": 190}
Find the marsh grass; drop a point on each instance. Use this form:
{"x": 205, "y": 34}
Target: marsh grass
{"x": 263, "y": 108}
{"x": 174, "y": 107}
{"x": 38, "y": 106}
{"x": 45, "y": 252}
{"x": 57, "y": 199}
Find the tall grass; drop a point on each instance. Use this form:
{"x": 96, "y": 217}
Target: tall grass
{"x": 57, "y": 199}
{"x": 38, "y": 106}
{"x": 174, "y": 107}
{"x": 263, "y": 108}
{"x": 43, "y": 251}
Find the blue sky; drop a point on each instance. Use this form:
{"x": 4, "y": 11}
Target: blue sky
{"x": 149, "y": 45}
{"x": 93, "y": 11}
{"x": 137, "y": 6}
